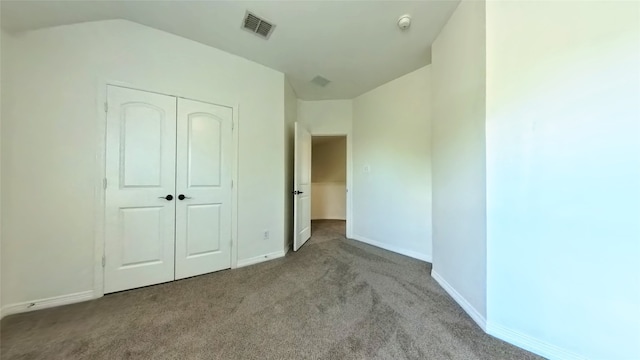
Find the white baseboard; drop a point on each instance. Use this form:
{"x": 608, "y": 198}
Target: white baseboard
{"x": 466, "y": 306}
{"x": 261, "y": 258}
{"x": 518, "y": 339}
{"x": 395, "y": 249}
{"x": 532, "y": 344}
{"x": 46, "y": 303}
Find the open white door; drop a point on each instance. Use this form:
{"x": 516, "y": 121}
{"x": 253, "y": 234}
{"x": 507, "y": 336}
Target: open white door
{"x": 302, "y": 187}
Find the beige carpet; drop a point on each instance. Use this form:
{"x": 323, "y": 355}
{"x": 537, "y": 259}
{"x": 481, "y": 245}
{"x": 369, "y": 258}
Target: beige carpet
{"x": 333, "y": 299}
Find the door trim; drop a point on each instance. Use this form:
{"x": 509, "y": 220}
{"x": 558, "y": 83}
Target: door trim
{"x": 100, "y": 171}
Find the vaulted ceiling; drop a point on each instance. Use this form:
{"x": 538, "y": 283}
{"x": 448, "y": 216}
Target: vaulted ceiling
{"x": 354, "y": 44}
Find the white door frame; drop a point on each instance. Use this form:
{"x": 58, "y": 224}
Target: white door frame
{"x": 100, "y": 193}
{"x": 349, "y": 176}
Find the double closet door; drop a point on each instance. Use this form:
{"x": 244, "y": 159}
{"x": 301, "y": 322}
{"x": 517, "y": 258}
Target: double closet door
{"x": 168, "y": 188}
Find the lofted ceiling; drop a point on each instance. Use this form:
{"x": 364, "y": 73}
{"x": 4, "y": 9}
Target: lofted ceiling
{"x": 354, "y": 44}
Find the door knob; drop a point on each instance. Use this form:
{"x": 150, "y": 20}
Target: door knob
{"x": 168, "y": 197}
{"x": 182, "y": 197}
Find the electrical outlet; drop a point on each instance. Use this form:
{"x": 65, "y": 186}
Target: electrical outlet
{"x": 266, "y": 235}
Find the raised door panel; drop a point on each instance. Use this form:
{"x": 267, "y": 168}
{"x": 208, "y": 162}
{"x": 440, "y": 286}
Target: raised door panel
{"x": 141, "y": 145}
{"x": 204, "y": 150}
{"x": 201, "y": 240}
{"x": 141, "y": 236}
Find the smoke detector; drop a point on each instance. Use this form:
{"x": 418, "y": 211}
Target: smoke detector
{"x": 404, "y": 22}
{"x": 257, "y": 25}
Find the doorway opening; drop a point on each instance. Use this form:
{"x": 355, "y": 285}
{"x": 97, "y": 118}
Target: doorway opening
{"x": 328, "y": 187}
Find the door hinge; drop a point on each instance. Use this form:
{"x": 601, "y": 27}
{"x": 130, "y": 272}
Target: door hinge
{"x": 104, "y": 183}
{"x": 104, "y": 260}
{"x": 106, "y": 107}
{"x": 233, "y": 125}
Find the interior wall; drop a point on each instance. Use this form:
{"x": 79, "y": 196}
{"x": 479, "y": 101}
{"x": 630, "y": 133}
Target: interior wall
{"x": 392, "y": 165}
{"x": 458, "y": 158}
{"x": 326, "y": 117}
{"x": 51, "y": 136}
{"x": 563, "y": 177}
{"x": 1, "y": 37}
{"x": 329, "y": 180}
{"x": 6, "y": 41}
{"x": 329, "y": 161}
{"x": 290, "y": 117}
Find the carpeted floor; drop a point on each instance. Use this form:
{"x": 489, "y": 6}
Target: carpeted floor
{"x": 333, "y": 299}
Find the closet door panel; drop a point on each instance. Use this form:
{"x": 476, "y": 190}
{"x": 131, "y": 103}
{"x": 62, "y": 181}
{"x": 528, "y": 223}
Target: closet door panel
{"x": 203, "y": 176}
{"x": 140, "y": 174}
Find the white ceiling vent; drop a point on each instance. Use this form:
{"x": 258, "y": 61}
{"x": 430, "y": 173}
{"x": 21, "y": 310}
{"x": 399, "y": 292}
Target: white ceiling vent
{"x": 257, "y": 25}
{"x": 320, "y": 81}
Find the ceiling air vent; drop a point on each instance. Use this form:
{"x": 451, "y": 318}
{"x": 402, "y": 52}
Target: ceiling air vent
{"x": 258, "y": 26}
{"x": 320, "y": 81}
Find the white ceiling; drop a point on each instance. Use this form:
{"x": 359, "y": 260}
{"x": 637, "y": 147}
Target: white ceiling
{"x": 355, "y": 44}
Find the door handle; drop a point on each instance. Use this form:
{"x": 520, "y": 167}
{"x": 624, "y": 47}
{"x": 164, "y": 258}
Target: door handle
{"x": 168, "y": 197}
{"x": 182, "y": 197}
{"x": 298, "y": 192}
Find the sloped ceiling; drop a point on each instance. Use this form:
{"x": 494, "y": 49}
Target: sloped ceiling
{"x": 354, "y": 44}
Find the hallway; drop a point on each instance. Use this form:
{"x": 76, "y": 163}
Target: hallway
{"x": 327, "y": 230}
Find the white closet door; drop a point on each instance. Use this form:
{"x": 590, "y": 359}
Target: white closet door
{"x": 203, "y": 176}
{"x": 140, "y": 193}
